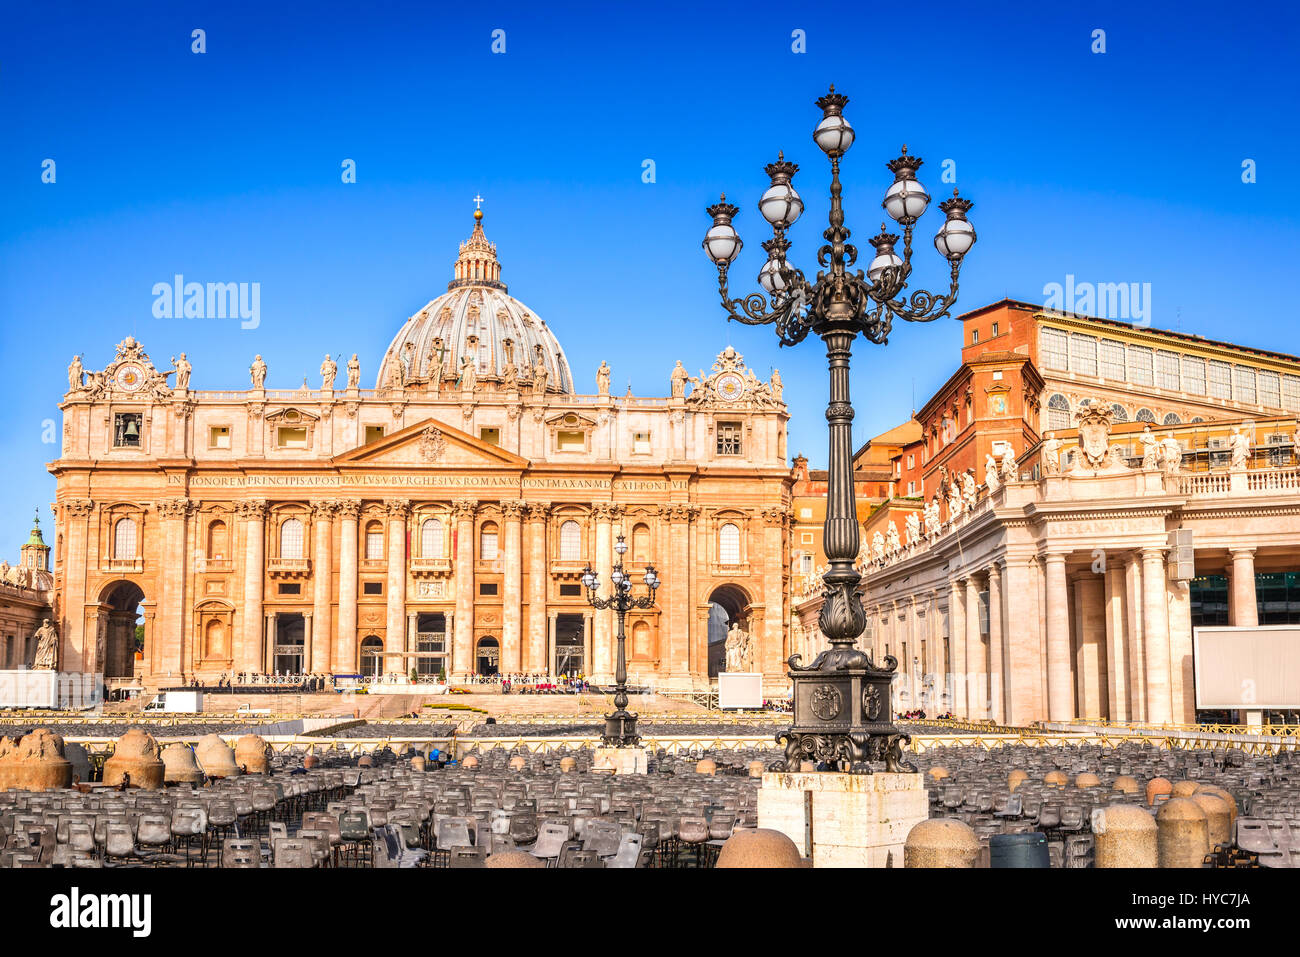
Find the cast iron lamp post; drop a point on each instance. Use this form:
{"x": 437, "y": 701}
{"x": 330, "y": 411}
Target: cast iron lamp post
{"x": 620, "y": 727}
{"x": 842, "y": 712}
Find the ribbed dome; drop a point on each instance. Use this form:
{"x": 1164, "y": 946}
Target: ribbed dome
{"x": 475, "y": 305}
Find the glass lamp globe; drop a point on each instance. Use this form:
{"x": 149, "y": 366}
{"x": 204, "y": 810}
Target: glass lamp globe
{"x": 834, "y": 135}
{"x": 883, "y": 261}
{"x": 780, "y": 205}
{"x": 956, "y": 236}
{"x": 722, "y": 243}
{"x": 620, "y": 546}
{"x": 906, "y": 199}
{"x": 617, "y": 577}
{"x": 770, "y": 277}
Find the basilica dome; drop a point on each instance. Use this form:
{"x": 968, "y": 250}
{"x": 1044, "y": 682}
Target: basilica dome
{"x": 474, "y": 317}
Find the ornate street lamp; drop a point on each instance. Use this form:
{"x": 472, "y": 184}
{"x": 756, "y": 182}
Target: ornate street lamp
{"x": 620, "y": 727}
{"x": 842, "y": 711}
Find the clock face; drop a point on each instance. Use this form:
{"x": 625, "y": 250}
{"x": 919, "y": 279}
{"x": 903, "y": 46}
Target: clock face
{"x": 730, "y": 386}
{"x": 129, "y": 377}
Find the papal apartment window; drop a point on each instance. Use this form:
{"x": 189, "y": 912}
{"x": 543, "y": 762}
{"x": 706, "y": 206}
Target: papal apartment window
{"x": 128, "y": 428}
{"x": 124, "y": 539}
{"x": 729, "y": 545}
{"x": 487, "y": 550}
{"x": 291, "y": 539}
{"x": 570, "y": 542}
{"x": 1270, "y": 390}
{"x": 729, "y": 439}
{"x": 1055, "y": 344}
{"x": 374, "y": 433}
{"x": 641, "y": 443}
{"x": 1243, "y": 384}
{"x": 219, "y": 437}
{"x": 374, "y": 542}
{"x": 291, "y": 437}
{"x": 431, "y": 538}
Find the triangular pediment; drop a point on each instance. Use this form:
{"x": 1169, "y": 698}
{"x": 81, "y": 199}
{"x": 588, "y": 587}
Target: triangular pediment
{"x": 431, "y": 444}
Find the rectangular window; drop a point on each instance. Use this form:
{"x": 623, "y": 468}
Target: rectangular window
{"x": 995, "y": 330}
{"x": 1083, "y": 354}
{"x": 1054, "y": 345}
{"x": 806, "y": 538}
{"x": 1270, "y": 389}
{"x": 128, "y": 430}
{"x": 570, "y": 591}
{"x": 641, "y": 443}
{"x": 1139, "y": 366}
{"x": 1291, "y": 393}
{"x": 1220, "y": 379}
{"x": 805, "y": 513}
{"x": 1112, "y": 360}
{"x": 911, "y": 488}
{"x": 291, "y": 437}
{"x": 1167, "y": 370}
{"x": 372, "y": 588}
{"x": 974, "y": 337}
{"x": 374, "y": 433}
{"x": 729, "y": 438}
{"x": 911, "y": 461}
{"x": 488, "y": 546}
{"x": 374, "y": 546}
{"x": 571, "y": 441}
{"x": 287, "y": 588}
{"x": 219, "y": 437}
{"x": 807, "y": 562}
{"x": 487, "y": 588}
{"x": 1193, "y": 375}
{"x": 1243, "y": 384}
{"x": 490, "y": 436}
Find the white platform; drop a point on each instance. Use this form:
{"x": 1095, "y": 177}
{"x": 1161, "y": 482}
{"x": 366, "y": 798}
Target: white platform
{"x": 620, "y": 761}
{"x": 404, "y": 687}
{"x": 740, "y": 689}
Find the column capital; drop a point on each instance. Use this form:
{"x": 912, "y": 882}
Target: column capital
{"x": 513, "y": 509}
{"x": 1054, "y": 558}
{"x": 176, "y": 507}
{"x": 464, "y": 509}
{"x": 606, "y": 511}
{"x": 253, "y": 509}
{"x": 349, "y": 508}
{"x": 537, "y": 511}
{"x": 1243, "y": 553}
{"x": 1153, "y": 553}
{"x": 995, "y": 572}
{"x": 77, "y": 507}
{"x": 397, "y": 507}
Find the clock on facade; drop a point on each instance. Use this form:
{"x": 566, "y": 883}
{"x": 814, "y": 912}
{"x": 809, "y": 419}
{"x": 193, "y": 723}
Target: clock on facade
{"x": 730, "y": 386}
{"x": 129, "y": 377}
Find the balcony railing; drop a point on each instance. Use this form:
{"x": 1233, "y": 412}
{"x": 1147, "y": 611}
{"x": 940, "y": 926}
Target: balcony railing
{"x": 289, "y": 567}
{"x": 430, "y": 567}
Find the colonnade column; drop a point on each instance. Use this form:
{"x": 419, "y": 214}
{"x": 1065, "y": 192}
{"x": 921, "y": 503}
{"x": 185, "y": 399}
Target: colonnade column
{"x": 345, "y": 648}
{"x": 512, "y": 588}
{"x": 395, "y": 589}
{"x": 1137, "y": 665}
{"x": 1245, "y": 608}
{"x": 535, "y": 641}
{"x": 677, "y": 582}
{"x": 552, "y": 660}
{"x": 602, "y": 666}
{"x": 1057, "y": 619}
{"x": 1090, "y": 593}
{"x": 1155, "y": 624}
{"x": 173, "y": 514}
{"x": 977, "y": 700}
{"x": 252, "y": 648}
{"x": 1117, "y": 689}
{"x": 957, "y": 643}
{"x": 322, "y": 574}
{"x": 997, "y": 681}
{"x": 462, "y": 650}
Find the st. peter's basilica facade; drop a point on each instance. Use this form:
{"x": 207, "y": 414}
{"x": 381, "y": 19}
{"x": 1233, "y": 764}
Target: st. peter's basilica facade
{"x": 439, "y": 521}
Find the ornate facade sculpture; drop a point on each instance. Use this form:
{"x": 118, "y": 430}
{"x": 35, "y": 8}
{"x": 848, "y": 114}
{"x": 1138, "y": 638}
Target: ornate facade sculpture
{"x": 183, "y": 370}
{"x": 1009, "y": 465}
{"x": 731, "y": 384}
{"x": 1240, "y": 448}
{"x": 1150, "y": 448}
{"x": 329, "y": 370}
{"x": 468, "y": 374}
{"x": 913, "y": 528}
{"x": 877, "y": 546}
{"x": 955, "y": 503}
{"x": 739, "y": 648}
{"x": 991, "y": 479}
{"x": 354, "y": 372}
{"x": 969, "y": 488}
{"x": 47, "y": 648}
{"x": 933, "y": 516}
{"x": 602, "y": 379}
{"x": 1051, "y": 454}
{"x": 777, "y": 387}
{"x": 891, "y": 538}
{"x": 540, "y": 373}
{"x": 677, "y": 380}
{"x": 76, "y": 373}
{"x": 257, "y": 371}
{"x": 1171, "y": 456}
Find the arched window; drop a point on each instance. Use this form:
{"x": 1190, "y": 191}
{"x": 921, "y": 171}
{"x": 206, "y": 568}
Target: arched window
{"x": 570, "y": 542}
{"x": 1173, "y": 419}
{"x": 1118, "y": 413}
{"x": 291, "y": 538}
{"x": 1145, "y": 415}
{"x": 1058, "y": 412}
{"x": 124, "y": 539}
{"x": 1197, "y": 418}
{"x": 641, "y": 640}
{"x": 487, "y": 542}
{"x": 641, "y": 544}
{"x": 431, "y": 538}
{"x": 218, "y": 541}
{"x": 374, "y": 541}
{"x": 729, "y": 544}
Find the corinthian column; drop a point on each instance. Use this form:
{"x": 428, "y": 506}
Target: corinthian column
{"x": 72, "y": 517}
{"x": 997, "y": 691}
{"x": 345, "y": 649}
{"x": 770, "y": 656}
{"x": 534, "y": 640}
{"x": 174, "y": 513}
{"x": 1155, "y": 633}
{"x": 602, "y": 666}
{"x": 251, "y": 652}
{"x": 512, "y": 588}
{"x": 322, "y": 581}
{"x": 462, "y": 649}
{"x": 1057, "y": 615}
{"x": 395, "y": 619}
{"x": 957, "y": 644}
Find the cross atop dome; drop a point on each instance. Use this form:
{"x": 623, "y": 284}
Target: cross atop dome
{"x": 477, "y": 263}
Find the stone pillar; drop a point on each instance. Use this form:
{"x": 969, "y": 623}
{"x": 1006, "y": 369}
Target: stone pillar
{"x": 395, "y": 589}
{"x": 512, "y": 589}
{"x": 345, "y": 649}
{"x": 462, "y": 649}
{"x": 1089, "y": 591}
{"x": 997, "y": 677}
{"x": 322, "y": 575}
{"x": 306, "y": 642}
{"x": 253, "y": 650}
{"x": 267, "y": 644}
{"x": 1155, "y": 627}
{"x": 535, "y": 642}
{"x": 601, "y": 667}
{"x": 976, "y": 667}
{"x": 1181, "y": 666}
{"x": 1116, "y": 659}
{"x": 1060, "y": 699}
{"x": 770, "y": 561}
{"x": 72, "y": 516}
{"x": 677, "y": 584}
{"x": 1137, "y": 662}
{"x": 1245, "y": 606}
{"x": 172, "y": 573}
{"x": 551, "y": 657}
{"x": 957, "y": 642}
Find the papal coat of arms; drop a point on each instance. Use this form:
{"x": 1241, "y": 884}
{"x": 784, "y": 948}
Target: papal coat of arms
{"x": 1094, "y": 434}
{"x": 826, "y": 702}
{"x": 432, "y": 444}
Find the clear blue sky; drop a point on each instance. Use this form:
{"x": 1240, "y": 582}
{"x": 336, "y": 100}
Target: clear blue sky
{"x": 225, "y": 166}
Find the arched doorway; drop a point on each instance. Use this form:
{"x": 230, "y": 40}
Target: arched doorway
{"x": 488, "y": 656}
{"x": 371, "y": 662}
{"x": 728, "y": 604}
{"x": 119, "y": 631}
{"x": 290, "y": 632}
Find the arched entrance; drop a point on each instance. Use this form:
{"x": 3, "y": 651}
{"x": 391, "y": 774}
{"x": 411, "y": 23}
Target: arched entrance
{"x": 488, "y": 656}
{"x": 371, "y": 663}
{"x": 728, "y": 604}
{"x": 290, "y": 632}
{"x": 119, "y": 631}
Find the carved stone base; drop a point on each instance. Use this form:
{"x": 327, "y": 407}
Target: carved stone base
{"x": 844, "y": 820}
{"x": 849, "y": 752}
{"x": 619, "y": 761}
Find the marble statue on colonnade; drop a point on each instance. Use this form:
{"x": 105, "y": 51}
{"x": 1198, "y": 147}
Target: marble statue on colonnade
{"x": 739, "y": 649}
{"x": 47, "y": 648}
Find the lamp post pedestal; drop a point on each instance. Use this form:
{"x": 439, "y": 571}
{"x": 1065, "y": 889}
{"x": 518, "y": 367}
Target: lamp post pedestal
{"x": 616, "y": 760}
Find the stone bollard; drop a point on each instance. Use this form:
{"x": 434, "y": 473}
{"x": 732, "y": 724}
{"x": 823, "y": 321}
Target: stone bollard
{"x": 568, "y": 765}
{"x": 513, "y": 859}
{"x": 1157, "y": 787}
{"x": 418, "y": 763}
{"x": 1183, "y": 833}
{"x": 80, "y": 761}
{"x": 179, "y": 766}
{"x": 37, "y": 763}
{"x": 938, "y": 773}
{"x": 1218, "y": 817}
{"x": 1056, "y": 779}
{"x": 1201, "y": 789}
{"x": 706, "y": 766}
{"x": 253, "y": 754}
{"x": 756, "y": 769}
{"x": 941, "y": 842}
{"x": 1124, "y": 836}
{"x": 1184, "y": 789}
{"x": 518, "y": 763}
{"x": 1016, "y": 778}
{"x": 1086, "y": 779}
{"x": 309, "y": 761}
{"x": 135, "y": 754}
{"x": 760, "y": 847}
{"x": 216, "y": 757}
{"x": 1127, "y": 784}
{"x": 470, "y": 763}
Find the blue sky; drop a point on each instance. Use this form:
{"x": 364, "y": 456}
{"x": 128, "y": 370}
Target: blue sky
{"x": 225, "y": 167}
